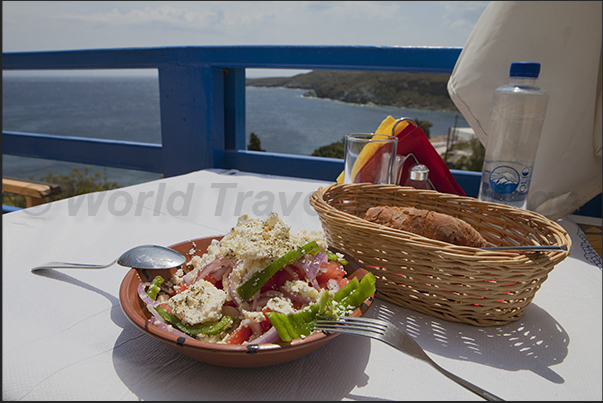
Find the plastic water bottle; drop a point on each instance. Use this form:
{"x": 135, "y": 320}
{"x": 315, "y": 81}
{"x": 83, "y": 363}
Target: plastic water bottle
{"x": 517, "y": 116}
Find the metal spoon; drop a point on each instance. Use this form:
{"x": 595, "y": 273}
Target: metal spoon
{"x": 140, "y": 257}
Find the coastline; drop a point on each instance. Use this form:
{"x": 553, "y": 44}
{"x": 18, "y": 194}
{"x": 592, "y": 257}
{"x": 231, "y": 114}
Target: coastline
{"x": 418, "y": 91}
{"x": 312, "y": 94}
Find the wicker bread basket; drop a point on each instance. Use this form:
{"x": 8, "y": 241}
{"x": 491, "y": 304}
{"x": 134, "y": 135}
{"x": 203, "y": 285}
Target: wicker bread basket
{"x": 455, "y": 283}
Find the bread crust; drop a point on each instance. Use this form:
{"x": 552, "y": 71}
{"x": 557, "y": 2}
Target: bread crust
{"x": 430, "y": 224}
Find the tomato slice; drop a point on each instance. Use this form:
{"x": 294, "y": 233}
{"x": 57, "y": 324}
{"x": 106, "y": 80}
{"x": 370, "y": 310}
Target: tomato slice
{"x": 216, "y": 283}
{"x": 270, "y": 284}
{"x": 265, "y": 324}
{"x": 243, "y": 333}
{"x": 282, "y": 276}
{"x": 331, "y": 270}
{"x": 240, "y": 335}
{"x": 180, "y": 287}
{"x": 342, "y": 282}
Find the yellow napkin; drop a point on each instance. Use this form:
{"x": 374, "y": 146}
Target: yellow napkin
{"x": 385, "y": 128}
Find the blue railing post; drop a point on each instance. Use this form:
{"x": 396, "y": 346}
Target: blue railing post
{"x": 234, "y": 109}
{"x": 192, "y": 118}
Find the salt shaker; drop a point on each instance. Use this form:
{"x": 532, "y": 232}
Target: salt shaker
{"x": 418, "y": 178}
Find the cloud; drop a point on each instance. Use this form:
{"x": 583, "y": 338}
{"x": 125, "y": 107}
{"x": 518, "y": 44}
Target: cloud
{"x": 105, "y": 24}
{"x": 342, "y": 10}
{"x": 461, "y": 16}
{"x": 164, "y": 14}
{"x": 212, "y": 17}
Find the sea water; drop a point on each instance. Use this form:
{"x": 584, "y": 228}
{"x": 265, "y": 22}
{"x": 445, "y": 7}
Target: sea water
{"x": 127, "y": 108}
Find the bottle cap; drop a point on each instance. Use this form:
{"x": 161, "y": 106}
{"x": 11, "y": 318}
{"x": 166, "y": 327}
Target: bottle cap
{"x": 525, "y": 69}
{"x": 419, "y": 173}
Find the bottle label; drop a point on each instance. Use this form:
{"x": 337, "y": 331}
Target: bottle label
{"x": 508, "y": 177}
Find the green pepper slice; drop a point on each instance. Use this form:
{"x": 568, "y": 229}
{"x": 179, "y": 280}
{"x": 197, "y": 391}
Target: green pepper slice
{"x": 364, "y": 290}
{"x": 154, "y": 287}
{"x": 347, "y": 289}
{"x": 255, "y": 283}
{"x": 300, "y": 323}
{"x": 283, "y": 325}
{"x": 193, "y": 331}
{"x": 292, "y": 326}
{"x": 333, "y": 257}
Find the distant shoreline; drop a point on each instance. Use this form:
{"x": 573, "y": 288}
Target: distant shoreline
{"x": 420, "y": 91}
{"x": 417, "y": 91}
{"x": 311, "y": 94}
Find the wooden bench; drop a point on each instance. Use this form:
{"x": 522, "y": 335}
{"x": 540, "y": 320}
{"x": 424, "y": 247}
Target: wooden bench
{"x": 35, "y": 192}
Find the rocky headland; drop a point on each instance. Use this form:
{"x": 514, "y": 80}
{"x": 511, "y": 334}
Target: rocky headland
{"x": 424, "y": 91}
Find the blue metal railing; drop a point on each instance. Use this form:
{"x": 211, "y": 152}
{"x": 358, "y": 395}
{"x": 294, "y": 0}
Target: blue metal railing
{"x": 202, "y": 103}
{"x": 202, "y": 106}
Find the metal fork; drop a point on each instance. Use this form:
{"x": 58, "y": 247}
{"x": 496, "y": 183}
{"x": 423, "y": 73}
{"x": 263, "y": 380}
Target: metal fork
{"x": 397, "y": 338}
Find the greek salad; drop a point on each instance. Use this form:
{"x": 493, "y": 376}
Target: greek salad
{"x": 261, "y": 283}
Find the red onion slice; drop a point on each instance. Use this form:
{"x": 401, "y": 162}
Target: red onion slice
{"x": 190, "y": 276}
{"x": 271, "y": 294}
{"x": 225, "y": 276}
{"x": 226, "y": 266}
{"x": 262, "y": 302}
{"x": 271, "y": 336}
{"x": 292, "y": 272}
{"x": 151, "y": 304}
{"x": 142, "y": 293}
{"x": 168, "y": 328}
{"x": 232, "y": 292}
{"x": 168, "y": 290}
{"x": 254, "y": 303}
{"x": 315, "y": 265}
{"x": 295, "y": 297}
{"x": 255, "y": 327}
{"x": 312, "y": 268}
{"x": 209, "y": 269}
{"x": 153, "y": 311}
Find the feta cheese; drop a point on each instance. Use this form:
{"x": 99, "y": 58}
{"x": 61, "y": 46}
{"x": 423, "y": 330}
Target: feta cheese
{"x": 302, "y": 289}
{"x": 257, "y": 317}
{"x": 196, "y": 262}
{"x": 162, "y": 297}
{"x": 175, "y": 279}
{"x": 303, "y": 237}
{"x": 279, "y": 304}
{"x": 200, "y": 303}
{"x": 255, "y": 244}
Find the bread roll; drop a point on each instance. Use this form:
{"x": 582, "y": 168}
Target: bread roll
{"x": 430, "y": 224}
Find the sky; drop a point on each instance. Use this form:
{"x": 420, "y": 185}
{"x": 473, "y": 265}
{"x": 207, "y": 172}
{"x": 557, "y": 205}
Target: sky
{"x": 69, "y": 25}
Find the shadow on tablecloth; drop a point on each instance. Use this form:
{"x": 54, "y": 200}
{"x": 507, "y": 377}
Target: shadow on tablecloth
{"x": 534, "y": 343}
{"x": 153, "y": 371}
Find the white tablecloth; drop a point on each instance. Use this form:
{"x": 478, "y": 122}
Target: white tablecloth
{"x": 65, "y": 336}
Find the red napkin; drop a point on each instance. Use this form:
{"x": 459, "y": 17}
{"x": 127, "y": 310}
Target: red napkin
{"x": 412, "y": 139}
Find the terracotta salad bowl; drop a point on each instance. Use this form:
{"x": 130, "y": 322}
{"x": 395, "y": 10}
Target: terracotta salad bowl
{"x": 227, "y": 355}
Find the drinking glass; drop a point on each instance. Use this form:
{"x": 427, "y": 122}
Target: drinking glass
{"x": 370, "y": 158}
